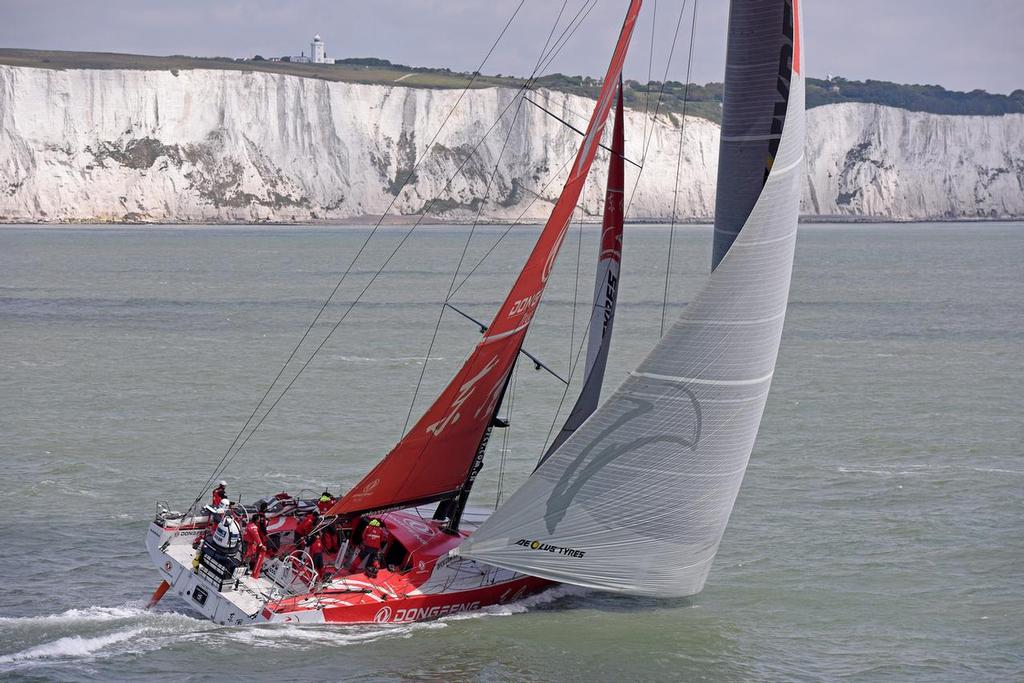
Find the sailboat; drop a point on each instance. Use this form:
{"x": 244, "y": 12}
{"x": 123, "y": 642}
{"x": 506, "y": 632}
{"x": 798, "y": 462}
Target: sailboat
{"x": 634, "y": 494}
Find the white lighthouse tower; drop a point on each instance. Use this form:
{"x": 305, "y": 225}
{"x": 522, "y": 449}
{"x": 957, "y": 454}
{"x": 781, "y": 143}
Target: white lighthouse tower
{"x": 317, "y": 50}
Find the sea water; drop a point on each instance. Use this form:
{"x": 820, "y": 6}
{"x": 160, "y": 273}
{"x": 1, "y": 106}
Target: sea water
{"x": 877, "y": 536}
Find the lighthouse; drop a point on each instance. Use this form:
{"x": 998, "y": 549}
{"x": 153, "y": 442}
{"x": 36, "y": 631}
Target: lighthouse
{"x": 317, "y": 50}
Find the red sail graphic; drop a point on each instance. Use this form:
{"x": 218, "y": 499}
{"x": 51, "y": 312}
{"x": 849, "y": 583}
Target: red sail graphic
{"x": 432, "y": 460}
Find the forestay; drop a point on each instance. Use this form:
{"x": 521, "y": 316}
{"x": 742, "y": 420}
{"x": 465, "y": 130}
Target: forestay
{"x": 637, "y": 500}
{"x": 434, "y": 459}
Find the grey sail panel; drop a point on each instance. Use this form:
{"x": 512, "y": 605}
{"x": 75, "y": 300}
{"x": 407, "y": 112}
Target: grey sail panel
{"x": 637, "y": 500}
{"x": 756, "y": 70}
{"x": 606, "y": 289}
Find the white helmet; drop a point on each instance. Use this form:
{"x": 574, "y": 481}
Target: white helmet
{"x": 225, "y": 504}
{"x": 222, "y": 483}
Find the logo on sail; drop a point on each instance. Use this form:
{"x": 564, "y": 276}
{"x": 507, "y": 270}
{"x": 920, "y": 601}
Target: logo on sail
{"x": 596, "y": 455}
{"x": 465, "y": 391}
{"x": 548, "y": 547}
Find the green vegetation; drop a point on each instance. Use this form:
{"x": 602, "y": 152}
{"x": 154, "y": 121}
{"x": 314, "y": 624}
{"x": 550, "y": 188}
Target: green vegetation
{"x": 930, "y": 98}
{"x": 700, "y": 100}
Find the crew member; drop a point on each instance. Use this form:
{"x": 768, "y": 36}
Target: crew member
{"x": 220, "y": 493}
{"x": 307, "y": 524}
{"x": 227, "y": 534}
{"x": 255, "y": 550}
{"x": 373, "y": 542}
{"x": 325, "y": 502}
{"x": 316, "y": 551}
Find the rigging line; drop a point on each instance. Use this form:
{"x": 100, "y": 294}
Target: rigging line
{"x": 650, "y": 65}
{"x": 506, "y": 435}
{"x": 576, "y": 283}
{"x": 537, "y": 362}
{"x": 679, "y": 161}
{"x": 555, "y": 51}
{"x": 574, "y": 128}
{"x": 458, "y": 267}
{"x": 572, "y": 371}
{"x": 657, "y": 108}
{"x": 327, "y": 302}
{"x": 554, "y": 176}
{"x": 472, "y": 231}
{"x": 567, "y": 37}
{"x": 362, "y": 292}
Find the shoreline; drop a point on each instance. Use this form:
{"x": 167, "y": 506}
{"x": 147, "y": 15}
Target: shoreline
{"x": 407, "y": 221}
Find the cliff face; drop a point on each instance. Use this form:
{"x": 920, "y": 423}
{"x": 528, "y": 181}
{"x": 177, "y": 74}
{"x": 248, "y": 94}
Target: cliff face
{"x": 218, "y": 146}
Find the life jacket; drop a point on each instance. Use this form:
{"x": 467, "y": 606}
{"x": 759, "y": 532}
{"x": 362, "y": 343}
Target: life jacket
{"x": 324, "y": 504}
{"x": 227, "y": 534}
{"x": 218, "y": 496}
{"x": 316, "y": 548}
{"x": 373, "y": 537}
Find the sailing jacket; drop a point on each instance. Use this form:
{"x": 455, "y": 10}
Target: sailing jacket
{"x": 373, "y": 537}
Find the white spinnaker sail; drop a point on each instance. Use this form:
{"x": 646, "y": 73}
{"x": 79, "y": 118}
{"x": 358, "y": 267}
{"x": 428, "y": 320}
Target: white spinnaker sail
{"x": 637, "y": 500}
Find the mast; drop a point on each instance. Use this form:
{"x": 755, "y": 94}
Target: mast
{"x": 434, "y": 460}
{"x": 638, "y": 498}
{"x": 606, "y": 287}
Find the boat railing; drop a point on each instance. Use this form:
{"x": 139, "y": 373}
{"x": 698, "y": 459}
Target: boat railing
{"x": 292, "y": 575}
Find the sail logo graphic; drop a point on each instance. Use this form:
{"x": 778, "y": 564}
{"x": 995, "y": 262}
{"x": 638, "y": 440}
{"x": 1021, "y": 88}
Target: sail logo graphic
{"x": 547, "y": 547}
{"x": 611, "y": 238}
{"x": 610, "y": 292}
{"x": 368, "y": 489}
{"x": 604, "y": 449}
{"x": 465, "y": 391}
{"x": 553, "y": 254}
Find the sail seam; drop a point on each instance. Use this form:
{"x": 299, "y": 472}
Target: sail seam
{"x": 701, "y": 380}
{"x": 747, "y": 321}
{"x": 754, "y": 243}
{"x": 750, "y": 138}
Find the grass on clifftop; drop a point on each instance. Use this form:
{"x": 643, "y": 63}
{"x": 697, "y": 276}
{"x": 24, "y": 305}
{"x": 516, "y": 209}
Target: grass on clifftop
{"x": 702, "y": 100}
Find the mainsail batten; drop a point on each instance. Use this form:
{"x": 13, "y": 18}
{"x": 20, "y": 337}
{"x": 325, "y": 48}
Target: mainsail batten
{"x": 637, "y": 499}
{"x": 432, "y": 459}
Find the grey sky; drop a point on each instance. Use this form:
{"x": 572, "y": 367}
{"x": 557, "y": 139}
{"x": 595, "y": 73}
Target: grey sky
{"x": 955, "y": 43}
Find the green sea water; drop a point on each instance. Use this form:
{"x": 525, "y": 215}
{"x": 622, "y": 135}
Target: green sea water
{"x": 879, "y": 533}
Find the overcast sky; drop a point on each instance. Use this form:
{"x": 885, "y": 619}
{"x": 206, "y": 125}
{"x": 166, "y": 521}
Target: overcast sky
{"x": 959, "y": 44}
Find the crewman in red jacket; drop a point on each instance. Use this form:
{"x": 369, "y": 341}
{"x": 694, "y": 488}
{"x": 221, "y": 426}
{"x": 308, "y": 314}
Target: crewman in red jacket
{"x": 219, "y": 493}
{"x": 374, "y": 541}
{"x": 316, "y": 551}
{"x": 255, "y": 550}
{"x": 306, "y": 524}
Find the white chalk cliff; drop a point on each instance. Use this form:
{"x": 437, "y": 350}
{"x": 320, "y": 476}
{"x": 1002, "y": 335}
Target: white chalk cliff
{"x": 210, "y": 146}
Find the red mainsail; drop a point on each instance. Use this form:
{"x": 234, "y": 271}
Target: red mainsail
{"x": 432, "y": 460}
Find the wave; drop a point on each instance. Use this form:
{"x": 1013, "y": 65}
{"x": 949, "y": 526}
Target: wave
{"x": 71, "y": 646}
{"x": 71, "y": 616}
{"x": 917, "y": 470}
{"x": 135, "y": 628}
